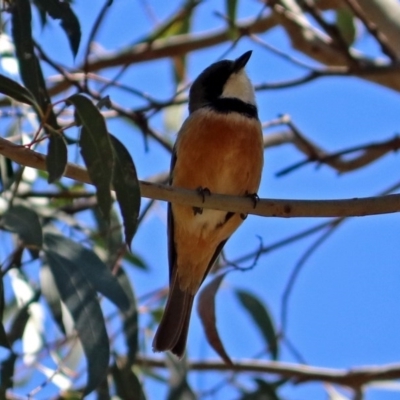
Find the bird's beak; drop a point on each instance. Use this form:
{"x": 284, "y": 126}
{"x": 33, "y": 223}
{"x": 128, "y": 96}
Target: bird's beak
{"x": 240, "y": 62}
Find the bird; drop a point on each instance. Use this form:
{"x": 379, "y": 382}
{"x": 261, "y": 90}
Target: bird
{"x": 219, "y": 149}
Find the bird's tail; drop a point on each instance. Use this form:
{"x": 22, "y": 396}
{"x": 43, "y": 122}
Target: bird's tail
{"x": 173, "y": 329}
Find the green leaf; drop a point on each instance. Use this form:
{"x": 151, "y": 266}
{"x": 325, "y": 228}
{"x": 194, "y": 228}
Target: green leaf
{"x": 130, "y": 317}
{"x": 127, "y": 190}
{"x": 69, "y": 22}
{"x": 265, "y": 391}
{"x": 109, "y": 235}
{"x": 103, "y": 390}
{"x": 42, "y": 14}
{"x": 231, "y": 9}
{"x": 16, "y": 91}
{"x": 136, "y": 260}
{"x": 7, "y": 374}
{"x": 52, "y": 295}
{"x": 182, "y": 26}
{"x": 262, "y": 318}
{"x": 3, "y": 335}
{"x": 90, "y": 265}
{"x": 21, "y": 19}
{"x": 177, "y": 24}
{"x": 100, "y": 171}
{"x": 127, "y": 384}
{"x": 80, "y": 298}
{"x": 346, "y": 25}
{"x": 30, "y": 70}
{"x": 71, "y": 395}
{"x": 18, "y": 325}
{"x": 96, "y": 150}
{"x": 104, "y": 102}
{"x": 25, "y": 223}
{"x": 7, "y": 176}
{"x": 15, "y": 333}
{"x": 56, "y": 160}
{"x": 206, "y": 310}
{"x": 29, "y": 66}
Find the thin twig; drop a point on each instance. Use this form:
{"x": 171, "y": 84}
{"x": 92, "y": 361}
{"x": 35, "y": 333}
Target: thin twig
{"x": 281, "y": 53}
{"x": 92, "y": 35}
{"x": 298, "y": 268}
{"x": 369, "y": 153}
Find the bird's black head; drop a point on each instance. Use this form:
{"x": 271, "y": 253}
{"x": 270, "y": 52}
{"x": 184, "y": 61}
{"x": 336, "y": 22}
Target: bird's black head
{"x": 224, "y": 78}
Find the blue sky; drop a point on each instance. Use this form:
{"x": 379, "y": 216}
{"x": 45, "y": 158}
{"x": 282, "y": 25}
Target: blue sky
{"x": 344, "y": 308}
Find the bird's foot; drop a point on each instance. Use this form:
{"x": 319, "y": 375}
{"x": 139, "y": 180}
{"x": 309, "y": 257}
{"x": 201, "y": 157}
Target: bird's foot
{"x": 255, "y": 198}
{"x": 202, "y": 192}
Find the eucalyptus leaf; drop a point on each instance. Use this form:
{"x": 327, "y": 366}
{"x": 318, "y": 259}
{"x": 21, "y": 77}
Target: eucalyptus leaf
{"x": 69, "y": 22}
{"x": 126, "y": 186}
{"x": 206, "y": 310}
{"x": 29, "y": 66}
{"x": 80, "y": 297}
{"x": 56, "y": 160}
{"x": 346, "y": 25}
{"x": 96, "y": 150}
{"x": 130, "y": 318}
{"x": 127, "y": 384}
{"x": 261, "y": 316}
{"x": 25, "y": 223}
{"x": 16, "y": 91}
{"x": 90, "y": 265}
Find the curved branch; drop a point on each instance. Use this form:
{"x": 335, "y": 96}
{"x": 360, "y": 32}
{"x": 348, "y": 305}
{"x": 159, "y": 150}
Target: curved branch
{"x": 310, "y": 42}
{"x": 354, "y": 377}
{"x": 318, "y": 46}
{"x": 265, "y": 207}
{"x": 171, "y": 47}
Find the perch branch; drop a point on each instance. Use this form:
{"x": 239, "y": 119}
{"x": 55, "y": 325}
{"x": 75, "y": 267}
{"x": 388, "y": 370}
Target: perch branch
{"x": 354, "y": 377}
{"x": 265, "y": 207}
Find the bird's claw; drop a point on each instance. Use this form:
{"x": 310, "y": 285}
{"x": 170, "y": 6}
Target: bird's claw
{"x": 254, "y": 197}
{"x": 202, "y": 192}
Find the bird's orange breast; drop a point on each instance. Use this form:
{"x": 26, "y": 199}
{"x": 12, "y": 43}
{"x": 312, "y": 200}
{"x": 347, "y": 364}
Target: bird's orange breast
{"x": 221, "y": 152}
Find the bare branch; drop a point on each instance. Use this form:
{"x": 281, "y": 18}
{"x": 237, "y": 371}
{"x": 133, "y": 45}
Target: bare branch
{"x": 265, "y": 207}
{"x": 372, "y": 29}
{"x": 318, "y": 46}
{"x": 308, "y": 41}
{"x": 171, "y": 47}
{"x": 353, "y": 378}
{"x": 364, "y": 154}
{"x": 386, "y": 15}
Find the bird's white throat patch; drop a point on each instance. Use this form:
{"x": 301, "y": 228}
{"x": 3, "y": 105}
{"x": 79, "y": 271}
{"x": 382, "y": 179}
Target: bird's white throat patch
{"x": 239, "y": 86}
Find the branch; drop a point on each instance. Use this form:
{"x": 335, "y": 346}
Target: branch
{"x": 171, "y": 47}
{"x": 386, "y": 15}
{"x": 372, "y": 29}
{"x": 265, "y": 207}
{"x": 313, "y": 43}
{"x": 363, "y": 154}
{"x": 304, "y": 39}
{"x": 354, "y": 377}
